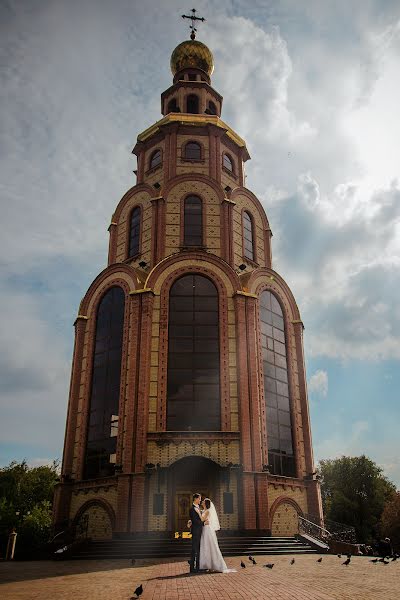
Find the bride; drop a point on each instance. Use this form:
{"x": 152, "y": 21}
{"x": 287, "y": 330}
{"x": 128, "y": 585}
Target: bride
{"x": 210, "y": 555}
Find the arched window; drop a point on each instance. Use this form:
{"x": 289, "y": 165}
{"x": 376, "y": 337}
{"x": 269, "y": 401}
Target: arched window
{"x": 192, "y": 104}
{"x": 248, "y": 238}
{"x": 155, "y": 159}
{"x": 193, "y": 151}
{"x": 104, "y": 397}
{"x": 193, "y": 222}
{"x": 212, "y": 108}
{"x": 134, "y": 232}
{"x": 173, "y": 106}
{"x": 193, "y": 390}
{"x": 276, "y": 388}
{"x": 228, "y": 162}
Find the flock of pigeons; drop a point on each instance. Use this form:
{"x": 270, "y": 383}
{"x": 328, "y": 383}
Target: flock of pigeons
{"x": 384, "y": 560}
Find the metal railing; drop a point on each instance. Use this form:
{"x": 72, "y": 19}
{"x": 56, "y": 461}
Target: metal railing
{"x": 333, "y": 531}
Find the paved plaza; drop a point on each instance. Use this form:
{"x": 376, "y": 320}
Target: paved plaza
{"x": 306, "y": 579}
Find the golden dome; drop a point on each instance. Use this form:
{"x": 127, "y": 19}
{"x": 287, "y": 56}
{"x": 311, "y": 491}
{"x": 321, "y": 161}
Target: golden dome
{"x": 192, "y": 53}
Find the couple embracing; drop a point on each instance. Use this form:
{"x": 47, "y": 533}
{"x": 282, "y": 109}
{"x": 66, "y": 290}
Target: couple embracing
{"x": 203, "y": 521}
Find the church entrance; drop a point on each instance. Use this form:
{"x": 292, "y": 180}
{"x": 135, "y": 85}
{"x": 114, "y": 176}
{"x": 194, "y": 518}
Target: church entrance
{"x": 187, "y": 476}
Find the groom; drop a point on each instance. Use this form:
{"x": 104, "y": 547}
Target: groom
{"x": 196, "y": 525}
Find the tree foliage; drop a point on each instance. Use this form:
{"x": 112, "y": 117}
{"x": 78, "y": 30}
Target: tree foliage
{"x": 354, "y": 491}
{"x": 26, "y": 496}
{"x": 390, "y": 520}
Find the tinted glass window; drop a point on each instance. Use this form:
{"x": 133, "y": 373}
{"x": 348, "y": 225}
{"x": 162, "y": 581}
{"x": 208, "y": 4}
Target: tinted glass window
{"x": 193, "y": 390}
{"x": 134, "y": 233}
{"x": 193, "y": 151}
{"x": 228, "y": 163}
{"x": 155, "y": 159}
{"x": 248, "y": 250}
{"x": 279, "y": 429}
{"x": 104, "y": 397}
{"x": 193, "y": 222}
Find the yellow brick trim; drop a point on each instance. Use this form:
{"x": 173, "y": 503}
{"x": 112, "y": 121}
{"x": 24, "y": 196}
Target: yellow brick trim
{"x": 143, "y": 291}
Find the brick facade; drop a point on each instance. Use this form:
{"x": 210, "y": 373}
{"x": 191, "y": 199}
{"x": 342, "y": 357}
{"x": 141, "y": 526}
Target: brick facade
{"x": 147, "y": 454}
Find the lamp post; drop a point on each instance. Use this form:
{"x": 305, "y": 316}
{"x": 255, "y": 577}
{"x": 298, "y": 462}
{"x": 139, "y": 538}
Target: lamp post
{"x": 12, "y": 540}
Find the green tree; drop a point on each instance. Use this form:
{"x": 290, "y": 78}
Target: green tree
{"x": 26, "y": 496}
{"x": 390, "y": 520}
{"x": 354, "y": 491}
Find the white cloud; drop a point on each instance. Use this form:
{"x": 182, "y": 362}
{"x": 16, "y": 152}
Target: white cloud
{"x": 318, "y": 383}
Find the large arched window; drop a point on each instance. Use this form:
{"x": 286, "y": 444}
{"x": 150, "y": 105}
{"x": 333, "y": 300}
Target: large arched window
{"x": 193, "y": 391}
{"x": 193, "y": 151}
{"x": 276, "y": 388}
{"x": 134, "y": 231}
{"x": 104, "y": 397}
{"x": 248, "y": 237}
{"x": 193, "y": 222}
{"x": 192, "y": 104}
{"x": 155, "y": 159}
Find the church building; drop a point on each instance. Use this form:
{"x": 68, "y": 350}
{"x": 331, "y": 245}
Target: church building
{"x": 188, "y": 369}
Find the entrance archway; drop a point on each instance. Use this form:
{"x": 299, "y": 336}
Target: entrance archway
{"x": 187, "y": 476}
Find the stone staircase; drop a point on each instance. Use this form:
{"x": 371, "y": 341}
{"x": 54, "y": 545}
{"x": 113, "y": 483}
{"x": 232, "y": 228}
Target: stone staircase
{"x": 169, "y": 547}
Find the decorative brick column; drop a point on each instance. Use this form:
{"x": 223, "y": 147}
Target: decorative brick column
{"x": 73, "y": 402}
{"x": 248, "y": 498}
{"x": 112, "y": 244}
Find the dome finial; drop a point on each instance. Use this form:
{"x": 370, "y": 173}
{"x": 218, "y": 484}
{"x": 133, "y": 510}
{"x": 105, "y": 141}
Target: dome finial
{"x": 193, "y": 19}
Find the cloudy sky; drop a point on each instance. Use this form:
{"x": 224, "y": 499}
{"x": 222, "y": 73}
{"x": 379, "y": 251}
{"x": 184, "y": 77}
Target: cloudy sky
{"x": 313, "y": 88}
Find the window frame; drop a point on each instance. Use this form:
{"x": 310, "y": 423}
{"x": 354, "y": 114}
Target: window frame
{"x": 151, "y": 157}
{"x": 227, "y": 169}
{"x": 277, "y": 456}
{"x": 192, "y": 160}
{"x": 102, "y": 407}
{"x": 190, "y": 335}
{"x": 130, "y": 256}
{"x": 254, "y": 239}
{"x": 183, "y": 244}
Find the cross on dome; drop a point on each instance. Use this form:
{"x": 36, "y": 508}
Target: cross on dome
{"x": 193, "y": 18}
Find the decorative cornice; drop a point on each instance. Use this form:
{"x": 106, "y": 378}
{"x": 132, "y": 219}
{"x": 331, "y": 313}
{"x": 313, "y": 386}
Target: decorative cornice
{"x": 229, "y": 201}
{"x": 80, "y": 318}
{"x": 143, "y": 291}
{"x": 194, "y": 120}
{"x": 247, "y": 294}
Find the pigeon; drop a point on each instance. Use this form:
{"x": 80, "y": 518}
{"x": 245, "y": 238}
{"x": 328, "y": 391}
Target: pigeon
{"x": 320, "y": 559}
{"x": 242, "y": 564}
{"x": 133, "y": 561}
{"x": 374, "y": 560}
{"x": 346, "y": 562}
{"x": 292, "y": 561}
{"x": 381, "y": 559}
{"x": 269, "y": 565}
{"x": 138, "y": 592}
{"x": 253, "y": 560}
{"x": 339, "y": 556}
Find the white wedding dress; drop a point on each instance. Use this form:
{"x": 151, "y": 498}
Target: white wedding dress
{"x": 210, "y": 554}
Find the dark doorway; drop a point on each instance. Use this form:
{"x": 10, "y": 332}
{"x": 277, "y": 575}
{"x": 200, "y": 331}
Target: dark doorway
{"x": 187, "y": 476}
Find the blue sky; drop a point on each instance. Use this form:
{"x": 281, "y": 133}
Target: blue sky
{"x": 311, "y": 86}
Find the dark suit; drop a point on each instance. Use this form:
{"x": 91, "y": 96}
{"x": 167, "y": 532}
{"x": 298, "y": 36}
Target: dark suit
{"x": 197, "y": 529}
